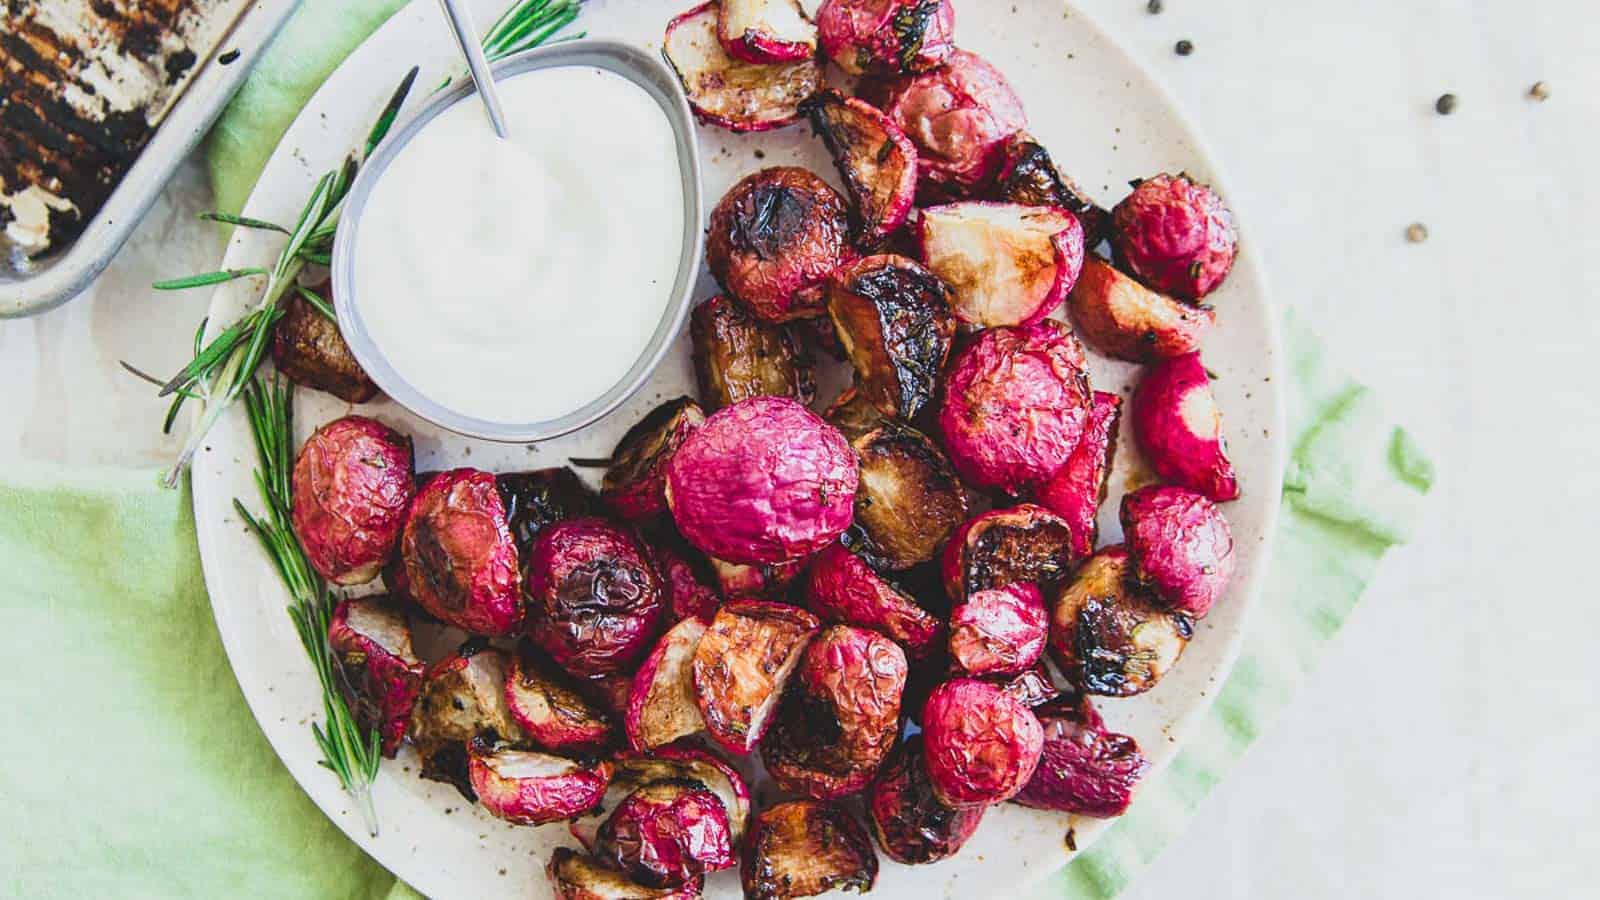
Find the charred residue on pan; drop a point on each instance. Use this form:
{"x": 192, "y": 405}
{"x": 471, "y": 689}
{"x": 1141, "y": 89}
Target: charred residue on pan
{"x": 82, "y": 84}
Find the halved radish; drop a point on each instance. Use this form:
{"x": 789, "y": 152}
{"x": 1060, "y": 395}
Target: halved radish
{"x": 766, "y": 31}
{"x": 728, "y": 92}
{"x": 661, "y": 706}
{"x": 678, "y": 762}
{"x": 1177, "y": 425}
{"x": 1120, "y": 317}
{"x": 527, "y": 788}
{"x": 875, "y": 158}
{"x": 1008, "y": 264}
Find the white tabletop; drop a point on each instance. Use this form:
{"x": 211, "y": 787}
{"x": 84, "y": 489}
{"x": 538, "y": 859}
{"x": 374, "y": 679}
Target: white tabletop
{"x": 1446, "y": 746}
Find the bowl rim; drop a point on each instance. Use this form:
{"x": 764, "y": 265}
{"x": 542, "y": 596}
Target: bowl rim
{"x": 640, "y": 68}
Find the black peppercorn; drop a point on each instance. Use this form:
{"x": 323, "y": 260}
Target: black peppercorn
{"x": 1446, "y": 104}
{"x": 1185, "y": 47}
{"x": 1153, "y": 7}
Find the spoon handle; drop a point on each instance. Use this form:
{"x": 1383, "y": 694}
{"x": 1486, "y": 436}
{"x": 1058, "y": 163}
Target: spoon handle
{"x": 477, "y": 64}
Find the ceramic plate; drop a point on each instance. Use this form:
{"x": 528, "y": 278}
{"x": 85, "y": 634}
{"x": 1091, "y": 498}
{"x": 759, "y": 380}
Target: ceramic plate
{"x": 1105, "y": 121}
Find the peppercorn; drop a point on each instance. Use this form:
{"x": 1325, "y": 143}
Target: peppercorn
{"x": 1446, "y": 104}
{"x": 1540, "y": 91}
{"x": 1153, "y": 7}
{"x": 1184, "y": 47}
{"x": 1416, "y": 232}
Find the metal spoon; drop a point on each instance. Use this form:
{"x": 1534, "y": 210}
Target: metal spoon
{"x": 477, "y": 64}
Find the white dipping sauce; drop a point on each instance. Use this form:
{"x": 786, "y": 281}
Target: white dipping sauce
{"x": 518, "y": 280}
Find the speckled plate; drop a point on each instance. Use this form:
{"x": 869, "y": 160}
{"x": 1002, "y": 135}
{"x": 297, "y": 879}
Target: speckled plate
{"x": 1104, "y": 119}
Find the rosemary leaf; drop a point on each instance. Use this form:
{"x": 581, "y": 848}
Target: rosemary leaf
{"x": 201, "y": 280}
{"x": 172, "y": 412}
{"x": 316, "y": 301}
{"x": 206, "y": 360}
{"x": 243, "y": 221}
{"x": 140, "y": 373}
{"x": 391, "y": 109}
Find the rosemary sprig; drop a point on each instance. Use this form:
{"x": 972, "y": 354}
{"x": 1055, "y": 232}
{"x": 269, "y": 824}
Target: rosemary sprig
{"x": 528, "y": 24}
{"x": 221, "y": 369}
{"x": 350, "y": 751}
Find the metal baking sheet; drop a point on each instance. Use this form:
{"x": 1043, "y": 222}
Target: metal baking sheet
{"x": 106, "y": 97}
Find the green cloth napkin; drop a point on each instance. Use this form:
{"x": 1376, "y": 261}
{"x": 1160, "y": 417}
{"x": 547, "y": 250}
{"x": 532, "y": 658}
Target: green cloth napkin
{"x": 131, "y": 766}
{"x": 147, "y": 777}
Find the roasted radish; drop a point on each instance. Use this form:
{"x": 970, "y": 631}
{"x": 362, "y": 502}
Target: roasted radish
{"x": 876, "y": 161}
{"x": 687, "y": 579}
{"x": 817, "y": 336}
{"x": 634, "y": 486}
{"x": 840, "y": 718}
{"x": 1180, "y": 544}
{"x": 737, "y": 356}
{"x": 886, "y": 37}
{"x": 309, "y": 350}
{"x": 764, "y": 481}
{"x": 841, "y": 587}
{"x": 543, "y": 497}
{"x": 372, "y": 641}
{"x": 1006, "y": 264}
{"x": 552, "y": 711}
{"x": 574, "y": 876}
{"x": 802, "y": 848}
{"x": 1179, "y": 430}
{"x": 1033, "y": 687}
{"x": 1075, "y": 491}
{"x": 1015, "y": 404}
{"x": 1122, "y": 318}
{"x": 766, "y": 31}
{"x": 1083, "y": 768}
{"x": 773, "y": 240}
{"x": 464, "y": 698}
{"x": 460, "y": 559}
{"x": 609, "y": 693}
{"x": 1024, "y": 544}
{"x": 982, "y": 744}
{"x": 893, "y": 317}
{"x": 462, "y": 702}
{"x": 594, "y": 600}
{"x": 1028, "y": 176}
{"x": 913, "y": 826}
{"x": 661, "y": 705}
{"x": 675, "y": 763}
{"x": 764, "y": 581}
{"x": 728, "y": 92}
{"x": 959, "y": 116}
{"x": 999, "y": 631}
{"x": 853, "y": 414}
{"x": 742, "y": 664}
{"x": 910, "y": 500}
{"x": 528, "y": 788}
{"x": 667, "y": 834}
{"x": 350, "y": 488}
{"x": 1175, "y": 235}
{"x": 1108, "y": 634}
